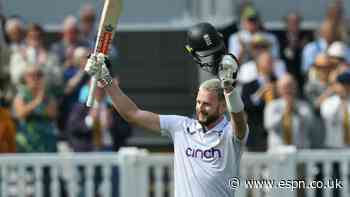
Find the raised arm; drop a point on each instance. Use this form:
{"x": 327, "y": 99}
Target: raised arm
{"x": 129, "y": 110}
{"x": 235, "y": 107}
{"x": 121, "y": 102}
{"x": 227, "y": 74}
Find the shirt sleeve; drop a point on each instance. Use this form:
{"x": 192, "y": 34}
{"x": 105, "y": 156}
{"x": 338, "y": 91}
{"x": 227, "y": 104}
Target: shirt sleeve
{"x": 275, "y": 46}
{"x": 280, "y": 68}
{"x": 307, "y": 57}
{"x": 234, "y": 46}
{"x": 169, "y": 124}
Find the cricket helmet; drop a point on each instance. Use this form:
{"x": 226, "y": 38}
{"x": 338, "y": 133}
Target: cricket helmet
{"x": 206, "y": 46}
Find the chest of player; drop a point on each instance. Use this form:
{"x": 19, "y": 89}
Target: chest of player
{"x": 195, "y": 145}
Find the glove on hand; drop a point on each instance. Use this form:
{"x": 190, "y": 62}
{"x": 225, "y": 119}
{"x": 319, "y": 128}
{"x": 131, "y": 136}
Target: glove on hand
{"x": 96, "y": 66}
{"x": 227, "y": 73}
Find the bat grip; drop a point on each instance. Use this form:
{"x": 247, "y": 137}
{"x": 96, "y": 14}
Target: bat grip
{"x": 91, "y": 98}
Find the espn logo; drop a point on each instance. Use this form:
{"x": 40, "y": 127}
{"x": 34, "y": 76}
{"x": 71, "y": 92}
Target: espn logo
{"x": 203, "y": 154}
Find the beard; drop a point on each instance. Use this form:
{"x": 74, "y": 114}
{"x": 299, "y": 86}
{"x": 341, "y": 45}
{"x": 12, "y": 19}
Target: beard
{"x": 206, "y": 119}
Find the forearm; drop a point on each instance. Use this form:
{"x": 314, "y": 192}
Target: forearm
{"x": 73, "y": 83}
{"x": 323, "y": 97}
{"x": 240, "y": 124}
{"x": 24, "y": 109}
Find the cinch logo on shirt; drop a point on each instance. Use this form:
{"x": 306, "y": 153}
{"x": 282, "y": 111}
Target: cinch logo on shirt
{"x": 199, "y": 153}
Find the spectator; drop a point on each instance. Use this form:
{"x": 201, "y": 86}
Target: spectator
{"x": 64, "y": 49}
{"x": 15, "y": 32}
{"x": 6, "y": 88}
{"x": 2, "y": 32}
{"x": 335, "y": 112}
{"x": 240, "y": 42}
{"x": 327, "y": 35}
{"x": 74, "y": 78}
{"x": 259, "y": 44}
{"x": 317, "y": 89}
{"x": 8, "y": 143}
{"x": 87, "y": 24}
{"x": 7, "y": 132}
{"x": 338, "y": 52}
{"x": 256, "y": 94}
{"x": 35, "y": 53}
{"x": 14, "y": 29}
{"x": 36, "y": 110}
{"x": 249, "y": 71}
{"x": 292, "y": 42}
{"x": 74, "y": 73}
{"x": 288, "y": 120}
{"x": 335, "y": 13}
{"x": 318, "y": 86}
{"x": 92, "y": 128}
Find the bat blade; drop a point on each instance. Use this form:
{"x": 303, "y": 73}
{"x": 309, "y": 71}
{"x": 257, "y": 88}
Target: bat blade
{"x": 106, "y": 30}
{"x": 108, "y": 23}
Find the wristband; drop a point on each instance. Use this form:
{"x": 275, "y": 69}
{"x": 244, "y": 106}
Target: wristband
{"x": 234, "y": 102}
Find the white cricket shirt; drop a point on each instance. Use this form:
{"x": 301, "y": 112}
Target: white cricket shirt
{"x": 203, "y": 162}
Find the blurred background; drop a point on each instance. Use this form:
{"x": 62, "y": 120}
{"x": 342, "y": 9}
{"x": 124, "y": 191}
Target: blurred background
{"x": 294, "y": 76}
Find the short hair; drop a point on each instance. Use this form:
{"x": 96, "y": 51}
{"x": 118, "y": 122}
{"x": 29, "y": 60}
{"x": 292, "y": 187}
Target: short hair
{"x": 12, "y": 23}
{"x": 79, "y": 53}
{"x": 30, "y": 68}
{"x": 293, "y": 13}
{"x": 36, "y": 27}
{"x": 213, "y": 85}
{"x": 87, "y": 10}
{"x": 69, "y": 22}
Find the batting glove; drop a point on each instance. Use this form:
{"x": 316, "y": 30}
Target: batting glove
{"x": 97, "y": 66}
{"x": 228, "y": 71}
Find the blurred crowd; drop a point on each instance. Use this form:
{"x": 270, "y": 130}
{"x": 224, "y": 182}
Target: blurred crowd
{"x": 43, "y": 89}
{"x": 295, "y": 85}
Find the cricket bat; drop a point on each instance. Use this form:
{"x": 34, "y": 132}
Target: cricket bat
{"x": 108, "y": 23}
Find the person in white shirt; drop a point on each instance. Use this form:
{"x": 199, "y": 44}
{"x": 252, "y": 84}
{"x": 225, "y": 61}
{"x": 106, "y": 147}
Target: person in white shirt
{"x": 335, "y": 112}
{"x": 207, "y": 150}
{"x": 15, "y": 31}
{"x": 289, "y": 121}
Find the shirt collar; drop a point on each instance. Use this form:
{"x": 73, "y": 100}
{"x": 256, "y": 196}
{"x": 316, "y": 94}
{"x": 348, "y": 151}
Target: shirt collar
{"x": 218, "y": 127}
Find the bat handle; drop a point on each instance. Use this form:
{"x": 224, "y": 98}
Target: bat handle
{"x": 91, "y": 98}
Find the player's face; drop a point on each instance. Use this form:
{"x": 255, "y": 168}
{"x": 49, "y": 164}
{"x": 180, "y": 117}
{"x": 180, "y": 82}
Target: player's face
{"x": 208, "y": 107}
